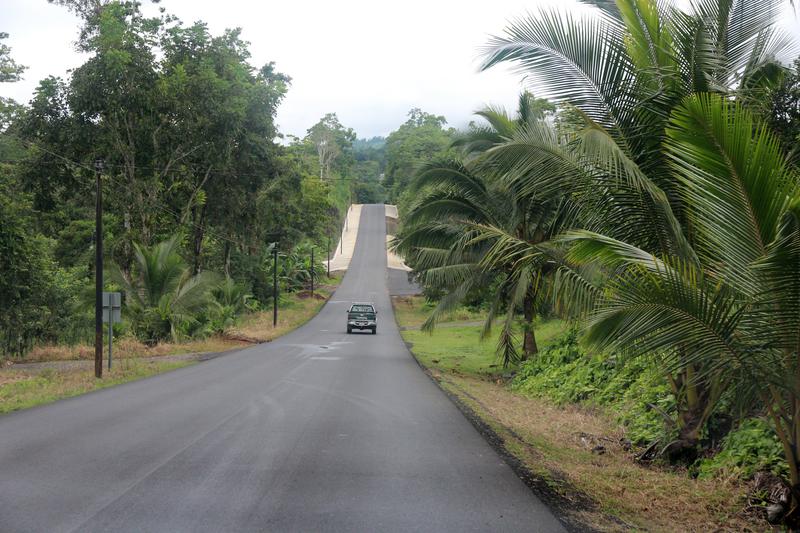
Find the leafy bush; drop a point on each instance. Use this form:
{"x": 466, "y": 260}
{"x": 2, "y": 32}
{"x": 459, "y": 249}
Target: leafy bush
{"x": 632, "y": 389}
{"x": 37, "y": 296}
{"x": 230, "y": 301}
{"x": 750, "y": 448}
{"x": 163, "y": 299}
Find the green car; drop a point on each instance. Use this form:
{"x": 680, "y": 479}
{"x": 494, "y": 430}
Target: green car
{"x": 362, "y": 316}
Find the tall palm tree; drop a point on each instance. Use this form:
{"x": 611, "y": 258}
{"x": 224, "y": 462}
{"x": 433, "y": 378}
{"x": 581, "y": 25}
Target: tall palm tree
{"x": 161, "y": 292}
{"x": 734, "y": 312}
{"x": 460, "y": 205}
{"x": 623, "y": 75}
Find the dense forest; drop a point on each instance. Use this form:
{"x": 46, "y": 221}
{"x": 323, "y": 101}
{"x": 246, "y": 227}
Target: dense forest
{"x": 198, "y": 182}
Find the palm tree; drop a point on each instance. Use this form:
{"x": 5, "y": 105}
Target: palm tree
{"x": 230, "y": 300}
{"x": 622, "y": 75}
{"x": 734, "y": 311}
{"x": 161, "y": 292}
{"x": 461, "y": 207}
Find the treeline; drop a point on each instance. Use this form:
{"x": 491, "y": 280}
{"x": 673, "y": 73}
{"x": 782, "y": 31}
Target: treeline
{"x": 198, "y": 183}
{"x": 655, "y": 206}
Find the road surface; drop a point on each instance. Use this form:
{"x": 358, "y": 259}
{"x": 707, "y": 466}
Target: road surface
{"x": 317, "y": 431}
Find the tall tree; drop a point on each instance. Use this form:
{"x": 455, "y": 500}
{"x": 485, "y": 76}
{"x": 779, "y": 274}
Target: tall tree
{"x": 333, "y": 143}
{"x": 460, "y": 209}
{"x": 623, "y": 88}
{"x": 10, "y": 70}
{"x": 422, "y": 138}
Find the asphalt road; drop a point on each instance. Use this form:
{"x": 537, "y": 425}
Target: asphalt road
{"x": 317, "y": 431}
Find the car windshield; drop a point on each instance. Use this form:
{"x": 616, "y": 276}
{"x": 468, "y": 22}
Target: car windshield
{"x": 361, "y": 309}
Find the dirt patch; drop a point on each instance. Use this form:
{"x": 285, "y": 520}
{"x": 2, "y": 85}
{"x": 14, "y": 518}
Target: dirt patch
{"x": 305, "y": 295}
{"x": 7, "y": 378}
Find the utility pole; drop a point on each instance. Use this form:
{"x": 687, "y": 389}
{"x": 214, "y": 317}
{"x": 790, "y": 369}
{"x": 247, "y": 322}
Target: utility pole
{"x": 275, "y": 286}
{"x": 98, "y": 272}
{"x": 312, "y": 272}
{"x": 329, "y": 254}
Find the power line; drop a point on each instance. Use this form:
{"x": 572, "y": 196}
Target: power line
{"x": 112, "y": 178}
{"x": 165, "y": 170}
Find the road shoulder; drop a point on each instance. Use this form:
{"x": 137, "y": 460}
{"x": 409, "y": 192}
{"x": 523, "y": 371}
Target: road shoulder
{"x": 573, "y": 458}
{"x": 30, "y": 384}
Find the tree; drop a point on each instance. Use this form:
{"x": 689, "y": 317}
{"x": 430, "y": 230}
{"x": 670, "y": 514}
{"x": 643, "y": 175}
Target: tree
{"x": 624, "y": 88}
{"x": 161, "y": 292}
{"x": 420, "y": 139}
{"x": 29, "y": 299}
{"x": 186, "y": 126}
{"x": 463, "y": 212}
{"x": 784, "y": 111}
{"x": 732, "y": 311}
{"x": 10, "y": 70}
{"x": 333, "y": 143}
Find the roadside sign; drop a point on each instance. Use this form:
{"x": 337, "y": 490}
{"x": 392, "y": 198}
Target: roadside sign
{"x": 112, "y": 312}
{"x": 112, "y": 302}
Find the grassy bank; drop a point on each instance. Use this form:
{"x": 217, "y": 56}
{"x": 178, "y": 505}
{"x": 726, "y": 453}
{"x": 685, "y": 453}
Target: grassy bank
{"x": 294, "y": 311}
{"x": 579, "y": 454}
{"x": 23, "y": 387}
{"x": 20, "y": 389}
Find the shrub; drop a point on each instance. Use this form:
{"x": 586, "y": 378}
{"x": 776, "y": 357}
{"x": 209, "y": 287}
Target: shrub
{"x": 750, "y": 448}
{"x": 633, "y": 389}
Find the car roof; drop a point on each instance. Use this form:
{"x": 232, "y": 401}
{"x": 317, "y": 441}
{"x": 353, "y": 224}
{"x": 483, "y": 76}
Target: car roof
{"x": 363, "y": 303}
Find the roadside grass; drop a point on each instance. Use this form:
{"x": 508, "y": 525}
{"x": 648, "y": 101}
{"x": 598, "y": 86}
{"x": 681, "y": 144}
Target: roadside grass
{"x": 412, "y": 311}
{"x": 454, "y": 346}
{"x": 294, "y": 310}
{"x": 607, "y": 491}
{"x": 459, "y": 348}
{"x": 130, "y": 348}
{"x": 23, "y": 388}
{"x": 20, "y": 389}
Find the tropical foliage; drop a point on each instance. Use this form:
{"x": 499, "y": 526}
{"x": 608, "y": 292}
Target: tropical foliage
{"x": 461, "y": 206}
{"x": 162, "y": 295}
{"x": 682, "y": 244}
{"x": 185, "y": 125}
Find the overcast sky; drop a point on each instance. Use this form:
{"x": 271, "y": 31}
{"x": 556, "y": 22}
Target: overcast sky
{"x": 368, "y": 61}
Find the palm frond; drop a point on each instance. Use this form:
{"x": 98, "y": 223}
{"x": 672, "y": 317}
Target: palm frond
{"x": 582, "y": 61}
{"x": 734, "y": 178}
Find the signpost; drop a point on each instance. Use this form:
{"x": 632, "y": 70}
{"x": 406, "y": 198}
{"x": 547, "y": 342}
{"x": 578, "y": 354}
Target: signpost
{"x": 274, "y": 238}
{"x": 112, "y": 312}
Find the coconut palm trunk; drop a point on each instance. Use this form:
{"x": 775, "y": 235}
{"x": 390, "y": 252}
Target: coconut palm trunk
{"x": 530, "y": 348}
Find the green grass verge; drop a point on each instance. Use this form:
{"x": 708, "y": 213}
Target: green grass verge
{"x": 20, "y": 389}
{"x": 455, "y": 347}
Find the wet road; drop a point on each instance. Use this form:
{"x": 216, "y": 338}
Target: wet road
{"x": 317, "y": 431}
